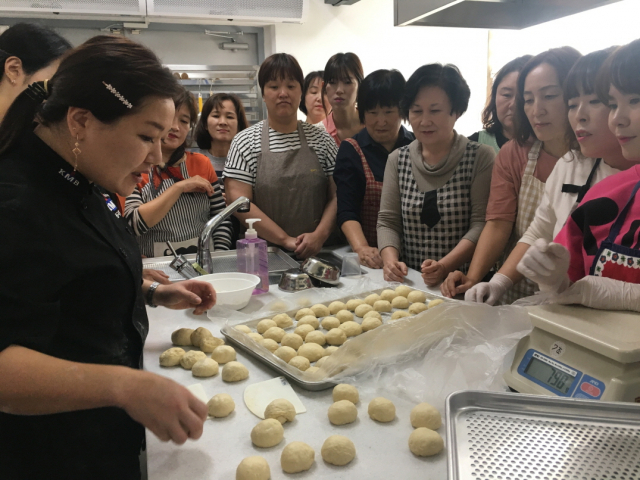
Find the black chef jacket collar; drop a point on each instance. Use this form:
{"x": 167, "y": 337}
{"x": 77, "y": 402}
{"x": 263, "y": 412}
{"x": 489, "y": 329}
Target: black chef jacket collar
{"x": 364, "y": 139}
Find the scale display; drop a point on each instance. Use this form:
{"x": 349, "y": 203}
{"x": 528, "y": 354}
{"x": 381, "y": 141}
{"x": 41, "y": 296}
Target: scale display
{"x": 550, "y": 375}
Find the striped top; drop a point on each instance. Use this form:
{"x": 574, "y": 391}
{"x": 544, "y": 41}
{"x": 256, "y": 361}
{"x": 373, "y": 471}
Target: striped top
{"x": 242, "y": 158}
{"x": 188, "y": 216}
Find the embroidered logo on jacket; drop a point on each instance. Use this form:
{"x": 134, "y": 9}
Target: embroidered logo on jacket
{"x": 68, "y": 177}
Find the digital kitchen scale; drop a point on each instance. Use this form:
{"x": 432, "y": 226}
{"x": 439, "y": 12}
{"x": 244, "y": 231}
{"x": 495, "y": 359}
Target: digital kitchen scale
{"x": 579, "y": 352}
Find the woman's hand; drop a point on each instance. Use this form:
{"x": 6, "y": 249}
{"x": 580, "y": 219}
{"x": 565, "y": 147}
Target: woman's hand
{"x": 433, "y": 272}
{"x": 289, "y": 244}
{"x": 195, "y": 184}
{"x": 395, "y": 271}
{"x": 370, "y": 257}
{"x": 156, "y": 276}
{"x": 308, "y": 244}
{"x": 456, "y": 283}
{"x": 187, "y": 294}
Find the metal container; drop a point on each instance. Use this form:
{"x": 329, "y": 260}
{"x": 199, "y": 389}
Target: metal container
{"x": 294, "y": 280}
{"x": 514, "y": 436}
{"x": 322, "y": 271}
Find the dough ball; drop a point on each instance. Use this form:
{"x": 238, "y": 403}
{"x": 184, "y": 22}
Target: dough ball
{"x": 344, "y": 391}
{"x": 400, "y": 302}
{"x": 373, "y": 314}
{"x": 297, "y": 457}
{"x": 303, "y": 312}
{"x": 234, "y": 372}
{"x": 283, "y": 320}
{"x": 417, "y": 307}
{"x": 182, "y": 337}
{"x": 371, "y": 299}
{"x": 277, "y": 306}
{"x": 330, "y": 322}
{"x": 416, "y": 296}
{"x": 264, "y": 325}
{"x": 312, "y": 351}
{"x": 221, "y": 405}
{"x": 253, "y": 468}
{"x": 354, "y": 303}
{"x": 403, "y": 290}
{"x": 335, "y": 307}
{"x": 321, "y": 310}
{"x": 274, "y": 333}
{"x": 209, "y": 344}
{"x": 293, "y": 340}
{"x": 400, "y": 314}
{"x": 321, "y": 361}
{"x": 329, "y": 350}
{"x": 370, "y": 323}
{"x": 315, "y": 337}
{"x": 256, "y": 337}
{"x": 268, "y": 433}
{"x": 382, "y": 410}
{"x": 351, "y": 328}
{"x": 309, "y": 320}
{"x": 312, "y": 369}
{"x": 362, "y": 310}
{"x": 388, "y": 295}
{"x": 171, "y": 357}
{"x": 285, "y": 353}
{"x": 303, "y": 330}
{"x": 198, "y": 335}
{"x": 301, "y": 363}
{"x": 189, "y": 359}
{"x": 223, "y": 354}
{"x": 338, "y": 450}
{"x": 435, "y": 302}
{"x": 344, "y": 316}
{"x": 382, "y": 306}
{"x": 343, "y": 412}
{"x": 270, "y": 344}
{"x": 425, "y": 415}
{"x": 336, "y": 336}
{"x": 424, "y": 442}
{"x": 243, "y": 329}
{"x": 281, "y": 409}
{"x": 207, "y": 367}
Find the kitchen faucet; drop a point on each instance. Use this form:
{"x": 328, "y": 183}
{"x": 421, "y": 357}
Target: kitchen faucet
{"x": 203, "y": 257}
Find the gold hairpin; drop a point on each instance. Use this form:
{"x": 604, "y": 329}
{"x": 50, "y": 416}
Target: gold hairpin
{"x": 117, "y": 94}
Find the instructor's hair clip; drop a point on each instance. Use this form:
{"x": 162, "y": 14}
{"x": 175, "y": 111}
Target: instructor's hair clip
{"x": 117, "y": 94}
{"x": 37, "y": 92}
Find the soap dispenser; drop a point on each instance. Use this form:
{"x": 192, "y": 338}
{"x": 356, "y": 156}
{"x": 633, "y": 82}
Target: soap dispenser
{"x": 253, "y": 257}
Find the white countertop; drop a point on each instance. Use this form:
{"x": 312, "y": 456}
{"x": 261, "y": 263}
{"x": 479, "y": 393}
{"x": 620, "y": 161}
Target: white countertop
{"x": 382, "y": 449}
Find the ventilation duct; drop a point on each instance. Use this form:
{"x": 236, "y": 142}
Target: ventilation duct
{"x": 99, "y": 7}
{"x": 271, "y": 11}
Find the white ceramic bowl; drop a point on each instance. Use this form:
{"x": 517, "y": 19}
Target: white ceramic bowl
{"x": 233, "y": 290}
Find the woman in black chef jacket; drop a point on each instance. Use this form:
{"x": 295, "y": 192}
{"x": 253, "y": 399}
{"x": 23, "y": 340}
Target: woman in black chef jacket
{"x": 74, "y": 401}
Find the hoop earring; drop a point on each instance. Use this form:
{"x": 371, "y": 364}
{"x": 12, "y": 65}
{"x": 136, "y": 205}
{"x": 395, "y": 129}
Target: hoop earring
{"x": 76, "y": 151}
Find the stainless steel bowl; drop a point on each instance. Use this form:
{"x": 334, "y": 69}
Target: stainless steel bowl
{"x": 322, "y": 271}
{"x": 294, "y": 280}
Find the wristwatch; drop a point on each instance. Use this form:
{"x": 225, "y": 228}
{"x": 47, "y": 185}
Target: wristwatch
{"x": 150, "y": 292}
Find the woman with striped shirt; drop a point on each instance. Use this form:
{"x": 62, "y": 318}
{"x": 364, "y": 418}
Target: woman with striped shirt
{"x": 175, "y": 200}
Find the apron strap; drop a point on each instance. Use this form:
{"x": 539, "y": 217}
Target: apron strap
{"x": 617, "y": 226}
{"x": 582, "y": 190}
{"x": 303, "y": 138}
{"x": 533, "y": 156}
{"x": 264, "y": 138}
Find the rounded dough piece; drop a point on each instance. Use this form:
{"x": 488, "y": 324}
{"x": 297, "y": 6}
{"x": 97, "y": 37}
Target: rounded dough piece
{"x": 425, "y": 442}
{"x": 268, "y": 433}
{"x": 400, "y": 302}
{"x": 382, "y": 306}
{"x": 344, "y": 316}
{"x": 329, "y": 350}
{"x": 388, "y": 295}
{"x": 336, "y": 336}
{"x": 425, "y": 415}
{"x": 344, "y": 391}
{"x": 400, "y": 314}
{"x": 221, "y": 405}
{"x": 312, "y": 369}
{"x": 199, "y": 334}
{"x": 207, "y": 367}
{"x": 171, "y": 357}
{"x": 301, "y": 363}
{"x": 297, "y": 457}
{"x": 182, "y": 337}
{"x": 275, "y": 333}
{"x": 373, "y": 314}
{"x": 285, "y": 353}
{"x": 189, "y": 359}
{"x": 435, "y": 302}
{"x": 303, "y": 312}
{"x": 209, "y": 344}
{"x": 342, "y": 412}
{"x": 370, "y": 323}
{"x": 256, "y": 337}
{"x": 311, "y": 351}
{"x": 283, "y": 320}
{"x": 321, "y": 361}
{"x": 315, "y": 337}
{"x": 223, "y": 354}
{"x": 309, "y": 320}
{"x": 338, "y": 450}
{"x": 234, "y": 372}
{"x": 354, "y": 303}
{"x": 302, "y": 330}
{"x": 335, "y": 307}
{"x": 417, "y": 307}
{"x": 292, "y": 340}
{"x": 243, "y": 329}
{"x": 281, "y": 409}
{"x": 351, "y": 329}
{"x": 330, "y": 322}
{"x": 363, "y": 309}
{"x": 270, "y": 344}
{"x": 382, "y": 410}
{"x": 403, "y": 290}
{"x": 416, "y": 296}
{"x": 253, "y": 468}
{"x": 371, "y": 299}
{"x": 264, "y": 325}
{"x": 321, "y": 310}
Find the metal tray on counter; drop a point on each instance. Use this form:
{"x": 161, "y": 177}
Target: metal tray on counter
{"x": 245, "y": 343}
{"x": 517, "y": 436}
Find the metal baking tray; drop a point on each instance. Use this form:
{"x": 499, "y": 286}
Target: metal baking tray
{"x": 306, "y": 381}
{"x": 517, "y": 436}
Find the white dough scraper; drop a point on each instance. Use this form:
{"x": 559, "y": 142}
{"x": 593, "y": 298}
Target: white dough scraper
{"x": 198, "y": 391}
{"x": 258, "y": 395}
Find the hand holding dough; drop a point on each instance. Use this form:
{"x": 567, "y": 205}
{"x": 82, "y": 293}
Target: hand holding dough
{"x": 338, "y": 450}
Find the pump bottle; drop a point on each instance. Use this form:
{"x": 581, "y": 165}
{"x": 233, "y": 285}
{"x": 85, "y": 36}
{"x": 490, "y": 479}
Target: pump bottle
{"x": 253, "y": 257}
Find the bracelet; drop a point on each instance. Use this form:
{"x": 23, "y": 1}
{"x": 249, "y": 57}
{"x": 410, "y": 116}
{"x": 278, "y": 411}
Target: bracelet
{"x": 149, "y": 295}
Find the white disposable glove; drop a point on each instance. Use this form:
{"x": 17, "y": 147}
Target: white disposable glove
{"x": 546, "y": 264}
{"x": 601, "y": 293}
{"x": 494, "y": 289}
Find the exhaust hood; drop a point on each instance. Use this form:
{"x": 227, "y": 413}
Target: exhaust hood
{"x": 512, "y": 14}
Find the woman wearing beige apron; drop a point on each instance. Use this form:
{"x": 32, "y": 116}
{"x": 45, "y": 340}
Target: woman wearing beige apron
{"x": 520, "y": 172}
{"x": 285, "y": 166}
